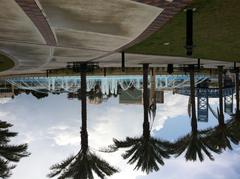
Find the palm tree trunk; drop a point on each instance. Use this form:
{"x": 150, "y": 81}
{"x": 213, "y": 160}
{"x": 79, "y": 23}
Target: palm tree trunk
{"x": 220, "y": 83}
{"x": 153, "y": 87}
{"x": 237, "y": 91}
{"x": 192, "y": 96}
{"x": 146, "y": 130}
{"x": 84, "y": 134}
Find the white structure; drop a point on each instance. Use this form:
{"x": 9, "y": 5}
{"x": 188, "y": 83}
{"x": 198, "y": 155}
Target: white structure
{"x": 108, "y": 84}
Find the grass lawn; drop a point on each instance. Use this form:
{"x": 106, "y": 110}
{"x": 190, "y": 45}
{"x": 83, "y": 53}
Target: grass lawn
{"x": 5, "y": 63}
{"x": 216, "y": 33}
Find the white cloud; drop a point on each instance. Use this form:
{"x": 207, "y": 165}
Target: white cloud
{"x": 5, "y": 100}
{"x": 64, "y": 135}
{"x": 173, "y": 106}
{"x": 3, "y": 115}
{"x": 223, "y": 167}
{"x": 53, "y": 134}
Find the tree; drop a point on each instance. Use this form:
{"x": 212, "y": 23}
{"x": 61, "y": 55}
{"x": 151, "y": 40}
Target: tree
{"x": 195, "y": 143}
{"x": 237, "y": 114}
{"x": 221, "y": 136}
{"x": 96, "y": 95}
{"x": 146, "y": 151}
{"x": 9, "y": 153}
{"x": 233, "y": 125}
{"x": 40, "y": 94}
{"x": 85, "y": 162}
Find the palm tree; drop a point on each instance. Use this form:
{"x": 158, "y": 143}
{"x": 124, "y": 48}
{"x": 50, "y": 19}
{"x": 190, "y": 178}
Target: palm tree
{"x": 8, "y": 152}
{"x": 234, "y": 124}
{"x": 237, "y": 113}
{"x": 237, "y": 92}
{"x": 195, "y": 143}
{"x": 221, "y": 136}
{"x": 146, "y": 151}
{"x": 82, "y": 165}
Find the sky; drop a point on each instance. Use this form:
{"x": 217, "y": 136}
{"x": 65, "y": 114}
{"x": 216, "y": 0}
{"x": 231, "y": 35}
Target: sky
{"x": 51, "y": 127}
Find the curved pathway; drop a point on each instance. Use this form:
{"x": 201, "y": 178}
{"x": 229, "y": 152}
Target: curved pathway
{"x": 46, "y": 34}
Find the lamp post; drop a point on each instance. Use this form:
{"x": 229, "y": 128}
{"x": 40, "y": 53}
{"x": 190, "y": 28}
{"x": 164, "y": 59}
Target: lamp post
{"x": 189, "y": 31}
{"x": 123, "y": 62}
{"x": 105, "y": 71}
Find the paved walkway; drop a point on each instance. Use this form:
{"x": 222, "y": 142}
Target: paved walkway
{"x": 46, "y": 34}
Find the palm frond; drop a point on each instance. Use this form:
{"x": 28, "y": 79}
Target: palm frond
{"x": 195, "y": 146}
{"x": 5, "y": 168}
{"x": 9, "y": 153}
{"x": 82, "y": 166}
{"x": 57, "y": 168}
{"x": 14, "y": 152}
{"x": 147, "y": 155}
{"x": 5, "y": 134}
{"x": 125, "y": 143}
{"x": 5, "y": 125}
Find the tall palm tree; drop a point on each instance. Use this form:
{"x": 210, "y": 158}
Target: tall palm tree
{"x": 195, "y": 143}
{"x": 146, "y": 151}
{"x": 8, "y": 152}
{"x": 234, "y": 124}
{"x": 237, "y": 92}
{"x": 221, "y": 136}
{"x": 82, "y": 165}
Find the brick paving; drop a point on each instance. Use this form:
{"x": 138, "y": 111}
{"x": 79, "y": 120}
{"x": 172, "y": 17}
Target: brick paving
{"x": 158, "y": 3}
{"x": 170, "y": 9}
{"x": 32, "y": 10}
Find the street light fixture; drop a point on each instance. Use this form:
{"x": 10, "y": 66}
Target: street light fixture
{"x": 82, "y": 66}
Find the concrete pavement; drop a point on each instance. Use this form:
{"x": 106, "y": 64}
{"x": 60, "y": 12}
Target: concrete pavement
{"x": 46, "y": 34}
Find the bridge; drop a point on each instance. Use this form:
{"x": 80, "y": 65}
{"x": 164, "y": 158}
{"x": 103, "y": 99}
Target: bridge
{"x": 111, "y": 84}
{"x": 107, "y": 84}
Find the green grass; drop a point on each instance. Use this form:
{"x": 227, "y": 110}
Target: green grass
{"x": 216, "y": 33}
{"x": 5, "y": 63}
